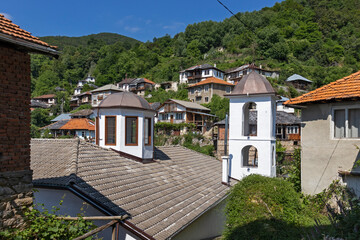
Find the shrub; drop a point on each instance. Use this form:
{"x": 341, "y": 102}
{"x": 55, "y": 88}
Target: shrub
{"x": 260, "y": 207}
{"x": 46, "y": 225}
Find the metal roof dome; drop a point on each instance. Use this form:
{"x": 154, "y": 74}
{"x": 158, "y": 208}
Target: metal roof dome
{"x": 125, "y": 100}
{"x": 251, "y": 84}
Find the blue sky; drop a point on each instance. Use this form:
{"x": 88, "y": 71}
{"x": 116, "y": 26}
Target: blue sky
{"x": 140, "y": 19}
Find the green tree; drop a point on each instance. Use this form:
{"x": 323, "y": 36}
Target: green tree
{"x": 219, "y": 106}
{"x": 40, "y": 117}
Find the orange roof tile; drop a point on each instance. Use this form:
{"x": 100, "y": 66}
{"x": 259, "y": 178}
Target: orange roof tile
{"x": 79, "y": 124}
{"x": 212, "y": 80}
{"x": 148, "y": 81}
{"x": 347, "y": 87}
{"x": 9, "y": 28}
{"x": 45, "y": 96}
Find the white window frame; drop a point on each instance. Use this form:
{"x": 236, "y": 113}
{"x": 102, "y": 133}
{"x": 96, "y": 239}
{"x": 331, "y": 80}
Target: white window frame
{"x": 332, "y": 123}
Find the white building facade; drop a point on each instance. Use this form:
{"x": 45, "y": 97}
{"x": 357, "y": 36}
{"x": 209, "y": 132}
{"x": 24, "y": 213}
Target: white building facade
{"x": 124, "y": 123}
{"x": 252, "y": 142}
{"x": 198, "y": 73}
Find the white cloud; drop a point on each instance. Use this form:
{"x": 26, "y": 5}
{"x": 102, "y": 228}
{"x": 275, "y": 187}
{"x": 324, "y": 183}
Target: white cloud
{"x": 8, "y": 16}
{"x": 132, "y": 29}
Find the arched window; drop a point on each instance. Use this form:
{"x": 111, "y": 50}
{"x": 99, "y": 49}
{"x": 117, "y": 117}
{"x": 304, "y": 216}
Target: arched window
{"x": 249, "y": 156}
{"x": 250, "y": 119}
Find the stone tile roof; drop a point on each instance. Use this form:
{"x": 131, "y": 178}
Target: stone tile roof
{"x": 161, "y": 197}
{"x": 82, "y": 113}
{"x": 107, "y": 87}
{"x": 63, "y": 116}
{"x": 191, "y": 105}
{"x": 212, "y": 80}
{"x": 7, "y": 27}
{"x": 56, "y": 125}
{"x": 344, "y": 88}
{"x": 296, "y": 77}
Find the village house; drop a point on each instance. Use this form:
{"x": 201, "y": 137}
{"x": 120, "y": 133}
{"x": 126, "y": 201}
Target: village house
{"x": 80, "y": 99}
{"x": 330, "y": 134}
{"x": 283, "y": 108}
{"x": 299, "y": 82}
{"x": 83, "y": 128}
{"x": 179, "y": 111}
{"x": 49, "y": 99}
{"x": 99, "y": 94}
{"x": 199, "y": 73}
{"x": 15, "y": 91}
{"x": 202, "y": 92}
{"x": 136, "y": 85}
{"x": 88, "y": 80}
{"x": 38, "y": 104}
{"x": 167, "y": 86}
{"x": 168, "y": 192}
{"x": 234, "y": 75}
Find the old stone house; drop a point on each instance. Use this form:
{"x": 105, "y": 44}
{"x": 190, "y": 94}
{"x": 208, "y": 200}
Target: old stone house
{"x": 234, "y": 75}
{"x": 330, "y": 133}
{"x": 199, "y": 73}
{"x": 15, "y": 92}
{"x": 99, "y": 94}
{"x": 202, "y": 92}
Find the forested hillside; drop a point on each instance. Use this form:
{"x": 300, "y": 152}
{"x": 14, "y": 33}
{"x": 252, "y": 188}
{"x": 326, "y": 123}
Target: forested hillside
{"x": 319, "y": 39}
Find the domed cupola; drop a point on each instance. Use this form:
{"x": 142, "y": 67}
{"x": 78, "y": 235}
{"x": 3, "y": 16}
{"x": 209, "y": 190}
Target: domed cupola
{"x": 124, "y": 123}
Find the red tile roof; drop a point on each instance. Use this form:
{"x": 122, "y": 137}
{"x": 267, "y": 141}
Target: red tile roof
{"x": 79, "y": 124}
{"x": 212, "y": 80}
{"x": 9, "y": 28}
{"x": 148, "y": 81}
{"x": 347, "y": 87}
{"x": 45, "y": 96}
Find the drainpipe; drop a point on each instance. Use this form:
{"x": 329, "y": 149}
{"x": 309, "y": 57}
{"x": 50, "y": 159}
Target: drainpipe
{"x": 225, "y": 159}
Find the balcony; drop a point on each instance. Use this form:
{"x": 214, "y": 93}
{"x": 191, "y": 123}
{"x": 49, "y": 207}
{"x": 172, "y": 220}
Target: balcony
{"x": 196, "y": 76}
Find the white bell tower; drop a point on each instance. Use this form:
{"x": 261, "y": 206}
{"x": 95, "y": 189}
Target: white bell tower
{"x": 252, "y": 141}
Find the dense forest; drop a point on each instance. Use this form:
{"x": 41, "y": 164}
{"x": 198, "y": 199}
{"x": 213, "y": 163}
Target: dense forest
{"x": 318, "y": 39}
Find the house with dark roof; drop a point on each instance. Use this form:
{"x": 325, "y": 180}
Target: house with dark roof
{"x": 330, "y": 133}
{"x": 80, "y": 99}
{"x": 49, "y": 99}
{"x": 99, "y": 94}
{"x": 136, "y": 85}
{"x": 299, "y": 82}
{"x": 16, "y": 44}
{"x": 202, "y": 92}
{"x": 234, "y": 75}
{"x": 198, "y": 73}
{"x": 179, "y": 111}
{"x": 160, "y": 193}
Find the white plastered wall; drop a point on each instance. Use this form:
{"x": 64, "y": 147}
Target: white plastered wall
{"x": 140, "y": 150}
{"x": 264, "y": 141}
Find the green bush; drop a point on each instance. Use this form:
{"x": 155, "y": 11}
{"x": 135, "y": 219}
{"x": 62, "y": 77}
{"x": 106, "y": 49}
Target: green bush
{"x": 166, "y": 126}
{"x": 46, "y": 225}
{"x": 260, "y": 207}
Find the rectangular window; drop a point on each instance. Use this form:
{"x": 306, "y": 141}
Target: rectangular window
{"x": 179, "y": 116}
{"x": 293, "y": 130}
{"x": 198, "y": 98}
{"x": 110, "y": 130}
{"x": 354, "y": 123}
{"x": 227, "y": 89}
{"x": 147, "y": 128}
{"x": 339, "y": 123}
{"x": 192, "y": 90}
{"x": 206, "y": 99}
{"x": 207, "y": 71}
{"x": 206, "y": 88}
{"x": 131, "y": 131}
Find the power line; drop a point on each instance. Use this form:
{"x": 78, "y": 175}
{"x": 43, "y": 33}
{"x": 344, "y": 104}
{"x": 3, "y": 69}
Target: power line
{"x": 237, "y": 17}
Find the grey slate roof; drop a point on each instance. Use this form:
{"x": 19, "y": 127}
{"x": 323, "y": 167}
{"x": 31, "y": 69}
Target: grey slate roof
{"x": 64, "y": 116}
{"x": 161, "y": 197}
{"x": 38, "y": 104}
{"x": 190, "y": 104}
{"x": 56, "y": 125}
{"x": 295, "y": 77}
{"x": 107, "y": 88}
{"x": 82, "y": 113}
{"x": 202, "y": 66}
{"x": 155, "y": 105}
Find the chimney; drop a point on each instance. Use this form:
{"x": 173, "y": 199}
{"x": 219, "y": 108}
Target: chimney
{"x": 214, "y": 64}
{"x": 225, "y": 170}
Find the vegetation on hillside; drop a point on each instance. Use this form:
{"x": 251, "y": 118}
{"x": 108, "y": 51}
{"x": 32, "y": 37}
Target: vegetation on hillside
{"x": 318, "y": 39}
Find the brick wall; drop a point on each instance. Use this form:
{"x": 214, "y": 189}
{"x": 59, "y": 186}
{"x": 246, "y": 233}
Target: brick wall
{"x": 15, "y": 173}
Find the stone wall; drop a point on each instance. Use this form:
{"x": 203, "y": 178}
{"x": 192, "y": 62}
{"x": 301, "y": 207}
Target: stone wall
{"x": 15, "y": 194}
{"x": 15, "y": 174}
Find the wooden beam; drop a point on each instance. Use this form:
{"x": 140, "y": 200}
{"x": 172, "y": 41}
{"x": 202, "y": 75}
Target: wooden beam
{"x": 96, "y": 230}
{"x": 96, "y": 218}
